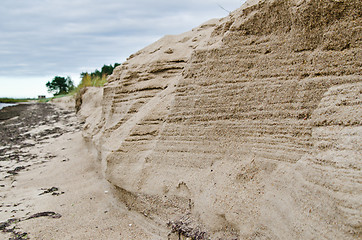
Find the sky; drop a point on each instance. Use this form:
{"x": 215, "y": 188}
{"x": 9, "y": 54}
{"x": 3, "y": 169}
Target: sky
{"x": 41, "y": 39}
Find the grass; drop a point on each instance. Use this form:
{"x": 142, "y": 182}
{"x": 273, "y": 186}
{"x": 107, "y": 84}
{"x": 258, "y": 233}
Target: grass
{"x": 88, "y": 81}
{"x": 15, "y": 100}
{"x": 44, "y": 100}
{"x": 20, "y": 100}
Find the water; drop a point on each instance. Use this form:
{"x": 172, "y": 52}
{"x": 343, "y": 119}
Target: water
{"x": 2, "y": 105}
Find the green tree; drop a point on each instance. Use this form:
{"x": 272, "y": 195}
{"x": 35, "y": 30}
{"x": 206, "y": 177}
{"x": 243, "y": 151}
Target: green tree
{"x": 60, "y": 85}
{"x": 107, "y": 70}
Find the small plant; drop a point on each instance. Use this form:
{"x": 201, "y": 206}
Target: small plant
{"x": 185, "y": 228}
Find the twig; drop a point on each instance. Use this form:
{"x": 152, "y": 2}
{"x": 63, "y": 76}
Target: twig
{"x": 223, "y": 8}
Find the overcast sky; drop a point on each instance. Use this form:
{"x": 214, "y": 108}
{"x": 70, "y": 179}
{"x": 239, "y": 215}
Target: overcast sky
{"x": 40, "y": 39}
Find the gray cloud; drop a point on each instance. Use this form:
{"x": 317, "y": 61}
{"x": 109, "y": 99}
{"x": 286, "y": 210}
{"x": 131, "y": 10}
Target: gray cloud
{"x": 51, "y": 37}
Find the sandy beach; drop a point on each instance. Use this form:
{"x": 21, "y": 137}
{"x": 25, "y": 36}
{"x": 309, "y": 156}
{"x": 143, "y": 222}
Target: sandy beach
{"x": 50, "y": 186}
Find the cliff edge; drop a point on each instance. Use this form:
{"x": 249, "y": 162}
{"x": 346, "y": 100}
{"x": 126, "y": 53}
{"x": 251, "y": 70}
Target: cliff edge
{"x": 246, "y": 127}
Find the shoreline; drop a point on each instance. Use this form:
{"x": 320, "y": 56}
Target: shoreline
{"x": 13, "y": 109}
{"x": 4, "y": 105}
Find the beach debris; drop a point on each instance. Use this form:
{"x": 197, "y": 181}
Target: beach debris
{"x": 19, "y": 236}
{"x": 45, "y": 214}
{"x": 6, "y": 224}
{"x": 50, "y": 156}
{"x": 185, "y": 227}
{"x": 53, "y": 190}
{"x": 16, "y": 170}
{"x": 6, "y": 228}
{"x": 17, "y": 125}
{"x": 53, "y": 131}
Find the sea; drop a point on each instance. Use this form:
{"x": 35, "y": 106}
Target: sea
{"x": 2, "y": 105}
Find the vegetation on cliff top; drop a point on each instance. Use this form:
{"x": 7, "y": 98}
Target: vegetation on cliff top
{"x": 96, "y": 78}
{"x": 61, "y": 86}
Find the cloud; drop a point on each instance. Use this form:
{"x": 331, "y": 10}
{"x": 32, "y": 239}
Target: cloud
{"x": 50, "y": 37}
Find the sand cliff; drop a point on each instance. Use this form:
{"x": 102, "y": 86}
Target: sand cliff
{"x": 246, "y": 127}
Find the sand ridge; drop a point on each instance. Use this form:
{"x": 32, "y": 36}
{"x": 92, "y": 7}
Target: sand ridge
{"x": 238, "y": 124}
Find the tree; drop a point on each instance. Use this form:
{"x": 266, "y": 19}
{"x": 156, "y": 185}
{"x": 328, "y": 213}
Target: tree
{"x": 97, "y": 78}
{"x": 60, "y": 85}
{"x": 107, "y": 70}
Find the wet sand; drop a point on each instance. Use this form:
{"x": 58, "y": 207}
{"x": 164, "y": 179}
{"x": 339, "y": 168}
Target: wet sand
{"x": 50, "y": 186}
{"x": 24, "y": 128}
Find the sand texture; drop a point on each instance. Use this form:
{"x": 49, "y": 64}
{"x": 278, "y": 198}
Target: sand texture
{"x": 51, "y": 186}
{"x": 246, "y": 127}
